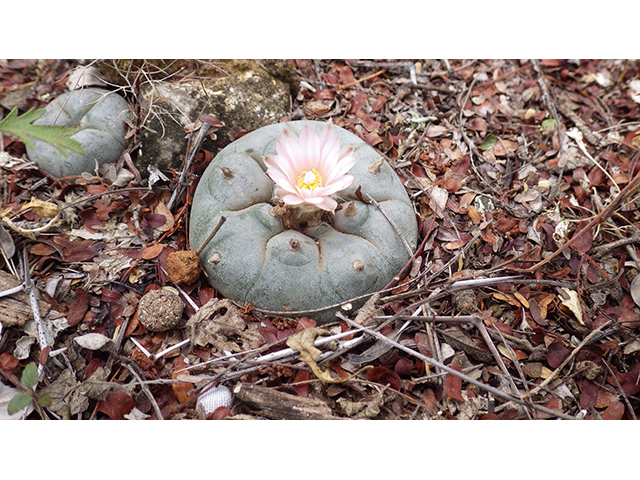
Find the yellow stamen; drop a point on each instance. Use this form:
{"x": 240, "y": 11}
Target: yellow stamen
{"x": 310, "y": 180}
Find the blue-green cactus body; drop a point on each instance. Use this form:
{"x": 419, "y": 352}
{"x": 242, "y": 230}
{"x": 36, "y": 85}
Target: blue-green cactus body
{"x": 255, "y": 259}
{"x": 100, "y": 116}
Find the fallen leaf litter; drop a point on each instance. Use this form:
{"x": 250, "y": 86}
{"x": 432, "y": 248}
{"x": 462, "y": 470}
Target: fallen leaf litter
{"x": 514, "y": 168}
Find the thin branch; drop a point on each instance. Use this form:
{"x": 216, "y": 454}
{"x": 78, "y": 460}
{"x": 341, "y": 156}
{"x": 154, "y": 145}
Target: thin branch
{"x": 548, "y": 101}
{"x": 602, "y": 216}
{"x": 566, "y": 361}
{"x": 192, "y": 149}
{"x": 435, "y": 363}
{"x": 211, "y": 235}
{"x": 145, "y": 389}
{"x": 624, "y": 395}
{"x": 393, "y": 224}
{"x": 363, "y": 79}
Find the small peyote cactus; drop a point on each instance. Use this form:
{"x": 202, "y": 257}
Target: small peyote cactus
{"x": 100, "y": 116}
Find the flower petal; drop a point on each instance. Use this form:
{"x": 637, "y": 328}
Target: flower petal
{"x": 341, "y": 169}
{"x": 303, "y": 153}
{"x": 292, "y": 200}
{"x": 328, "y": 204}
{"x": 276, "y": 162}
{"x": 329, "y": 144}
{"x": 289, "y": 148}
{"x": 310, "y": 145}
{"x": 285, "y": 185}
{"x": 335, "y": 186}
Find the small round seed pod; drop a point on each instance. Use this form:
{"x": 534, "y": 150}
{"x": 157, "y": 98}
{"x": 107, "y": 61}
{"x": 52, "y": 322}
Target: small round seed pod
{"x": 160, "y": 310}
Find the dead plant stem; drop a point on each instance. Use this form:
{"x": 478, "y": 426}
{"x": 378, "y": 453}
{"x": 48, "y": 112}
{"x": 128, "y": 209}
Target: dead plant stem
{"x": 192, "y": 149}
{"x": 624, "y": 395}
{"x": 363, "y": 79}
{"x": 211, "y": 235}
{"x": 566, "y": 361}
{"x": 435, "y": 363}
{"x": 144, "y": 388}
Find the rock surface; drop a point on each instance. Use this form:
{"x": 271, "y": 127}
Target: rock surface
{"x": 244, "y": 102}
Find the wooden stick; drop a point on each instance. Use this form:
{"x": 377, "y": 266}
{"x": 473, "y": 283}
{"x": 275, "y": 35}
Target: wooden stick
{"x": 211, "y": 235}
{"x": 363, "y": 79}
{"x": 566, "y": 361}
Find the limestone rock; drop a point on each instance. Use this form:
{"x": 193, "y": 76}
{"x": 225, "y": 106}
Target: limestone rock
{"x": 245, "y": 102}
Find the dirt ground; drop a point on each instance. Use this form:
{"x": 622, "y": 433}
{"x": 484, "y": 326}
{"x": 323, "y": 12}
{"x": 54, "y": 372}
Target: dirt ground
{"x": 522, "y": 301}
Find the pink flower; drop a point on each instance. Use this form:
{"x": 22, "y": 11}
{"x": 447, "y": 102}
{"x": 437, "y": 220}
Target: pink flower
{"x": 310, "y": 168}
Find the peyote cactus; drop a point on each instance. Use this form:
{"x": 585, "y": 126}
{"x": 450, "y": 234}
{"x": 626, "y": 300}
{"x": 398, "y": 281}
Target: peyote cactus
{"x": 308, "y": 252}
{"x": 100, "y": 116}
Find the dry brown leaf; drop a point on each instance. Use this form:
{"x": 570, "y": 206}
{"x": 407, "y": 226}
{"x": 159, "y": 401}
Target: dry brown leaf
{"x": 152, "y": 252}
{"x": 505, "y": 297}
{"x": 521, "y": 298}
{"x": 459, "y": 339}
{"x": 455, "y": 245}
{"x": 536, "y": 370}
{"x": 29, "y": 232}
{"x": 67, "y": 399}
{"x": 117, "y": 404}
{"x": 503, "y": 146}
{"x": 570, "y": 300}
{"x": 364, "y": 409}
{"x": 475, "y": 216}
{"x": 78, "y": 307}
{"x": 161, "y": 209}
{"x": 303, "y": 342}
{"x": 453, "y": 384}
{"x": 42, "y": 208}
{"x": 543, "y": 302}
{"x": 219, "y": 323}
{"x": 435, "y": 130}
{"x": 181, "y": 390}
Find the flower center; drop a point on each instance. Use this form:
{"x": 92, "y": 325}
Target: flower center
{"x": 310, "y": 180}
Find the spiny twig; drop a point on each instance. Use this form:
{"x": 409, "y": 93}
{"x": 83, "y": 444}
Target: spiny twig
{"x": 391, "y": 222}
{"x": 144, "y": 388}
{"x": 211, "y": 235}
{"x": 548, "y": 101}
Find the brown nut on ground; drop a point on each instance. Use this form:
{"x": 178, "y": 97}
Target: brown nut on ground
{"x": 160, "y": 310}
{"x": 183, "y": 267}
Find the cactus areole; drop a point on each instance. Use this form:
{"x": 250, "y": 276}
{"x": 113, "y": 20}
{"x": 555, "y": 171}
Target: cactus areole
{"x": 298, "y": 237}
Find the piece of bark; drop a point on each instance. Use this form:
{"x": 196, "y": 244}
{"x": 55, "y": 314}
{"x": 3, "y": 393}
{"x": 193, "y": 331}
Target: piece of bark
{"x": 282, "y": 406}
{"x": 15, "y": 309}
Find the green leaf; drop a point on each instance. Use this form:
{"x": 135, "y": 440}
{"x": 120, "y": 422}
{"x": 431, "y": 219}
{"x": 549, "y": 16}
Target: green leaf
{"x": 21, "y": 127}
{"x": 30, "y": 376}
{"x": 549, "y": 126}
{"x": 18, "y": 402}
{"x": 44, "y": 400}
{"x": 489, "y": 142}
